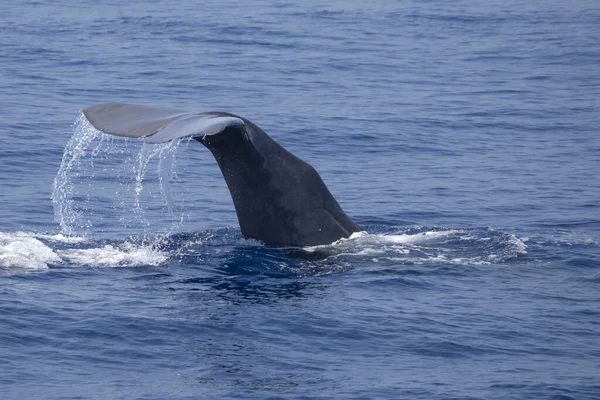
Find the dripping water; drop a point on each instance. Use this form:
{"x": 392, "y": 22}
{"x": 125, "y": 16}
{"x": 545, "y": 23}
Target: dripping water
{"x": 105, "y": 184}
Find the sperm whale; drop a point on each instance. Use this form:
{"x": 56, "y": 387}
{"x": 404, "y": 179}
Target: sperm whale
{"x": 279, "y": 199}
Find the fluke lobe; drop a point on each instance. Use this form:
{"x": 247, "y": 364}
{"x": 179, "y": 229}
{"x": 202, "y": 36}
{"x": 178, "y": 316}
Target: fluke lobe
{"x": 279, "y": 199}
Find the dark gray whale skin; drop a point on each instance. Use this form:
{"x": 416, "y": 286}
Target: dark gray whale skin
{"x": 279, "y": 199}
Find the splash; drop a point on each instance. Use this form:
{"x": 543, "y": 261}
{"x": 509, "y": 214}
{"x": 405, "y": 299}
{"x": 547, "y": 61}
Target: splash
{"x": 105, "y": 184}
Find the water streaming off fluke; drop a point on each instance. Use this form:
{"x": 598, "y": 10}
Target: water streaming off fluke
{"x": 105, "y": 183}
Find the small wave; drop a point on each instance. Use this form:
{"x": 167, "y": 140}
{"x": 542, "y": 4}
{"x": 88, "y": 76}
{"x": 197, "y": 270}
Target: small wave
{"x": 20, "y": 250}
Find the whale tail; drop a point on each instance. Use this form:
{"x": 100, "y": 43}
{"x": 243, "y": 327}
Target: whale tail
{"x": 279, "y": 199}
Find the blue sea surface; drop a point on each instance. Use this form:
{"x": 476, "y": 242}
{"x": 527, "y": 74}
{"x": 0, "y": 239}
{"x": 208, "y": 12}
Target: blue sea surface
{"x": 463, "y": 136}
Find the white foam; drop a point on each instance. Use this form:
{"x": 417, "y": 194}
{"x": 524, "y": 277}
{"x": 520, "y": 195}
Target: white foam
{"x": 353, "y": 237}
{"x": 125, "y": 255}
{"x": 62, "y": 238}
{"x": 518, "y": 244}
{"x": 416, "y": 238}
{"x": 25, "y": 251}
{"x": 19, "y": 250}
{"x": 363, "y": 238}
{"x": 431, "y": 246}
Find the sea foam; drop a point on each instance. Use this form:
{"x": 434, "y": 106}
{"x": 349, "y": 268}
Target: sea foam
{"x": 20, "y": 250}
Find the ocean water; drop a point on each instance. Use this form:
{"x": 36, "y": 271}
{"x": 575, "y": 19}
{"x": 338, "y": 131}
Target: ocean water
{"x": 463, "y": 136}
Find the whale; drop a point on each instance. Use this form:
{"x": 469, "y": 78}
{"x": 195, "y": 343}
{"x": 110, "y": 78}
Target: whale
{"x": 280, "y": 200}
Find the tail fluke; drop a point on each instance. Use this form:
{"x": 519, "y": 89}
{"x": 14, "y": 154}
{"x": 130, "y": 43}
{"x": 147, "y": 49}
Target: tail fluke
{"x": 156, "y": 124}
